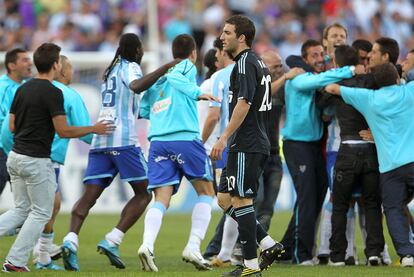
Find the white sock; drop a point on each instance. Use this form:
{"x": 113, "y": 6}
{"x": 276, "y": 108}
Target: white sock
{"x": 350, "y": 233}
{"x": 199, "y": 222}
{"x": 266, "y": 242}
{"x": 45, "y": 242}
{"x": 73, "y": 239}
{"x": 152, "y": 224}
{"x": 115, "y": 237}
{"x": 230, "y": 234}
{"x": 326, "y": 229}
{"x": 252, "y": 264}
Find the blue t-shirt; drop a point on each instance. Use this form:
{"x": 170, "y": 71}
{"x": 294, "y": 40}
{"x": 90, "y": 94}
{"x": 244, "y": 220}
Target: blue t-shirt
{"x": 389, "y": 112}
{"x": 8, "y": 89}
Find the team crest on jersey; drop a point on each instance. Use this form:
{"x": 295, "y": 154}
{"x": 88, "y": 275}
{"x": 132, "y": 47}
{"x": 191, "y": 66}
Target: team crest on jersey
{"x": 161, "y": 105}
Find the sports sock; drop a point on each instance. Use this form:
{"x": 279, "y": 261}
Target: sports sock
{"x": 326, "y": 229}
{"x": 45, "y": 242}
{"x": 152, "y": 224}
{"x": 115, "y": 237}
{"x": 246, "y": 220}
{"x": 252, "y": 263}
{"x": 350, "y": 233}
{"x": 230, "y": 235}
{"x": 199, "y": 221}
{"x": 73, "y": 239}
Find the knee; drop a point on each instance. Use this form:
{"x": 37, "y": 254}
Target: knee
{"x": 223, "y": 201}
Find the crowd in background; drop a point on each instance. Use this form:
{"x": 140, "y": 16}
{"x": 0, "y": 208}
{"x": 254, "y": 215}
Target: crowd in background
{"x": 95, "y": 25}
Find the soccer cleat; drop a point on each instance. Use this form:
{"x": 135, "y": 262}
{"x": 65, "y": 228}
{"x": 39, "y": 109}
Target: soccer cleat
{"x": 70, "y": 257}
{"x": 147, "y": 259}
{"x": 374, "y": 261}
{"x": 195, "y": 258}
{"x": 112, "y": 252}
{"x": 407, "y": 261}
{"x": 8, "y": 268}
{"x": 50, "y": 266}
{"x": 216, "y": 262}
{"x": 243, "y": 271}
{"x": 268, "y": 256}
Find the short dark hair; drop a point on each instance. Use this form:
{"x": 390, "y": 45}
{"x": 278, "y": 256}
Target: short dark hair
{"x": 362, "y": 44}
{"x": 411, "y": 51}
{"x": 346, "y": 55}
{"x": 334, "y": 25}
{"x": 243, "y": 26}
{"x": 389, "y": 46}
{"x": 218, "y": 43}
{"x": 308, "y": 44}
{"x": 182, "y": 46}
{"x": 385, "y": 74}
{"x": 11, "y": 57}
{"x": 209, "y": 61}
{"x": 45, "y": 56}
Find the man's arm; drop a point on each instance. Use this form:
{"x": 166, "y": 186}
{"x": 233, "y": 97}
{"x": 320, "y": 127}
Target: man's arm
{"x": 334, "y": 89}
{"x": 212, "y": 118}
{"x": 65, "y": 131}
{"x": 276, "y": 85}
{"x": 146, "y": 81}
{"x": 239, "y": 114}
{"x": 11, "y": 123}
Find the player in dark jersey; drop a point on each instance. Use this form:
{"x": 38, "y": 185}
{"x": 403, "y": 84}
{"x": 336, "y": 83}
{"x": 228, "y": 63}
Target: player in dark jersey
{"x": 247, "y": 139}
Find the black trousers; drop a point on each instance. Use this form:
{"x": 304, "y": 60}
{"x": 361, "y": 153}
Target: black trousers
{"x": 4, "y": 175}
{"x": 307, "y": 167}
{"x": 356, "y": 165}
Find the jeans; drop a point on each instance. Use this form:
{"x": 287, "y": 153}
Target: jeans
{"x": 33, "y": 183}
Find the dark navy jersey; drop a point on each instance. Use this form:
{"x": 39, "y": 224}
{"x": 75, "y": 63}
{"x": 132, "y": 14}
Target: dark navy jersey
{"x": 250, "y": 81}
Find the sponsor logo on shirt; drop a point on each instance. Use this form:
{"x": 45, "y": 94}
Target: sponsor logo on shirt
{"x": 160, "y": 158}
{"x": 161, "y": 105}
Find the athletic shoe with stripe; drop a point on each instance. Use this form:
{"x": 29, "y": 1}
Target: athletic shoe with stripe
{"x": 147, "y": 259}
{"x": 70, "y": 257}
{"x": 268, "y": 256}
{"x": 9, "y": 267}
{"x": 112, "y": 252}
{"x": 195, "y": 258}
{"x": 243, "y": 271}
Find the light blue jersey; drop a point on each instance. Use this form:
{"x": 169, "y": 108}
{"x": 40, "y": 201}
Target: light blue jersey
{"x": 303, "y": 118}
{"x": 8, "y": 88}
{"x": 171, "y": 105}
{"x": 120, "y": 105}
{"x": 220, "y": 89}
{"x": 389, "y": 112}
{"x": 76, "y": 115}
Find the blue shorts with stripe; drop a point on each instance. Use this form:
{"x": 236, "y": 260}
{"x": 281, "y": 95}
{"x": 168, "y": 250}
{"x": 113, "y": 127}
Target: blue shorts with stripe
{"x": 242, "y": 174}
{"x": 104, "y": 165}
{"x": 169, "y": 161}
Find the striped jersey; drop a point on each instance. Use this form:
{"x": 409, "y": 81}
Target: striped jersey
{"x": 120, "y": 105}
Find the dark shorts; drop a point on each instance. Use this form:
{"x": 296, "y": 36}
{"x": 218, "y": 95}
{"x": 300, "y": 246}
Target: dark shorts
{"x": 103, "y": 166}
{"x": 241, "y": 175}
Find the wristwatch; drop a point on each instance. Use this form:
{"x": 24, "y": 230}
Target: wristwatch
{"x": 352, "y": 68}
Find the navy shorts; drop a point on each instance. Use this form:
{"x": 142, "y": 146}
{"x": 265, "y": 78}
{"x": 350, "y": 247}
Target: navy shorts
{"x": 169, "y": 161}
{"x": 56, "y": 167}
{"x": 104, "y": 165}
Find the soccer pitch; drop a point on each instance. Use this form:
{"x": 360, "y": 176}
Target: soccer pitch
{"x": 171, "y": 241}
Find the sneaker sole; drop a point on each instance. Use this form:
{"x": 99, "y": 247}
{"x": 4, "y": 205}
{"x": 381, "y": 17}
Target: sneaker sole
{"x": 201, "y": 267}
{"x": 145, "y": 264}
{"x": 65, "y": 255}
{"x": 114, "y": 260}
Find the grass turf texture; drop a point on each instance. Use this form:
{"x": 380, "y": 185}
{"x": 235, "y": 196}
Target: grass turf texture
{"x": 171, "y": 241}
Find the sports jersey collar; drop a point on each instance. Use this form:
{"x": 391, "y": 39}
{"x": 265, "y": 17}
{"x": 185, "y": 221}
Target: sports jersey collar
{"x": 241, "y": 53}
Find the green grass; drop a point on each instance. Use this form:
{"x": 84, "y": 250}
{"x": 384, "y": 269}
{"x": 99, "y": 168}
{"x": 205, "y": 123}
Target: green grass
{"x": 171, "y": 241}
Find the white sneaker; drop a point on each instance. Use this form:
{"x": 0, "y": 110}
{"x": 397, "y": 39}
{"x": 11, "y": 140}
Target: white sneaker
{"x": 407, "y": 261}
{"x": 374, "y": 261}
{"x": 147, "y": 259}
{"x": 307, "y": 263}
{"x": 55, "y": 252}
{"x": 331, "y": 263}
{"x": 195, "y": 257}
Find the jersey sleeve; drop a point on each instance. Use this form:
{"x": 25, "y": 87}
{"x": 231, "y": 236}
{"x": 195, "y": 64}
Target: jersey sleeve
{"x": 217, "y": 90}
{"x": 182, "y": 84}
{"x": 359, "y": 98}
{"x": 134, "y": 72}
{"x": 15, "y": 102}
{"x": 79, "y": 115}
{"x": 246, "y": 78}
{"x": 145, "y": 105}
{"x": 54, "y": 102}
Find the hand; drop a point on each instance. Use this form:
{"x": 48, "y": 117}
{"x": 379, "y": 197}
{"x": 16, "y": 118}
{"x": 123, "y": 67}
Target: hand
{"x": 366, "y": 135}
{"x": 208, "y": 97}
{"x": 218, "y": 148}
{"x": 359, "y": 69}
{"x": 332, "y": 89}
{"x": 293, "y": 73}
{"x": 103, "y": 127}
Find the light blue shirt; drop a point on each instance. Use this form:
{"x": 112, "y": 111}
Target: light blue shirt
{"x": 8, "y": 89}
{"x": 220, "y": 89}
{"x": 76, "y": 115}
{"x": 389, "y": 112}
{"x": 303, "y": 118}
{"x": 171, "y": 105}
